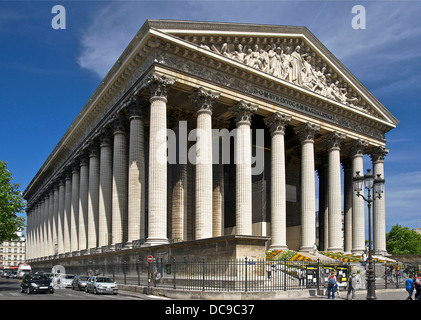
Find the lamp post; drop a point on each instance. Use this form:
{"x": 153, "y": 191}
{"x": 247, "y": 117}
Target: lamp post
{"x": 377, "y": 184}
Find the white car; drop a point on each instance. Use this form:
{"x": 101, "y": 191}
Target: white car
{"x": 63, "y": 280}
{"x": 99, "y": 284}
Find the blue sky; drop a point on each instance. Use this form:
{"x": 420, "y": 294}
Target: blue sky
{"x": 47, "y": 75}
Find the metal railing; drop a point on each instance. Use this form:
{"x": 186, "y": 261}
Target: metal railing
{"x": 244, "y": 275}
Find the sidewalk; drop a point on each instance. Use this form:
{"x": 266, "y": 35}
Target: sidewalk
{"x": 381, "y": 294}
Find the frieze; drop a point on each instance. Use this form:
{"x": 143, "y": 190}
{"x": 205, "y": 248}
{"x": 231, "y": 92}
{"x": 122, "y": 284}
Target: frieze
{"x": 218, "y": 76}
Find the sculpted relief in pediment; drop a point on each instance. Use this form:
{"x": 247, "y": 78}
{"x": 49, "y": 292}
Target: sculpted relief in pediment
{"x": 295, "y": 63}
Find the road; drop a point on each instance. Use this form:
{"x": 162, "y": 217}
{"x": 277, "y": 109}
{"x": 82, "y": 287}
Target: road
{"x": 10, "y": 290}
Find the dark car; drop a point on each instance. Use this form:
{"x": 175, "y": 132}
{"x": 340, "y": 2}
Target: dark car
{"x": 36, "y": 283}
{"x": 79, "y": 282}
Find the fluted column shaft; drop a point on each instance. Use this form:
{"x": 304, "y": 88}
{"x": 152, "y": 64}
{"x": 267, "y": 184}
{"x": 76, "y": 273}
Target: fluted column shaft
{"x": 119, "y": 202}
{"x": 379, "y": 209}
{"x": 74, "y": 218}
{"x": 60, "y": 219}
{"x": 105, "y": 190}
{"x": 67, "y": 213}
{"x": 83, "y": 203}
{"x": 55, "y": 219}
{"x": 204, "y": 100}
{"x": 45, "y": 226}
{"x": 276, "y": 124}
{"x": 157, "y": 192}
{"x": 308, "y": 188}
{"x": 243, "y": 192}
{"x": 93, "y": 197}
{"x": 136, "y": 191}
{"x": 50, "y": 221}
{"x": 334, "y": 189}
{"x": 358, "y": 204}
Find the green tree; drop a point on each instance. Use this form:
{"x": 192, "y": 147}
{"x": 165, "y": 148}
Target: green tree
{"x": 11, "y": 204}
{"x": 402, "y": 240}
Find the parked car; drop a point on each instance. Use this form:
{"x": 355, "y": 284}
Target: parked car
{"x": 100, "y": 284}
{"x": 79, "y": 282}
{"x": 36, "y": 283}
{"x": 62, "y": 280}
{"x": 66, "y": 280}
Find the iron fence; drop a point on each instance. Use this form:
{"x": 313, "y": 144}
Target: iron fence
{"x": 241, "y": 275}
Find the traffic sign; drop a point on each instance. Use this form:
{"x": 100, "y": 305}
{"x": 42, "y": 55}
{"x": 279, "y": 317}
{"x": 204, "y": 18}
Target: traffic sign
{"x": 150, "y": 259}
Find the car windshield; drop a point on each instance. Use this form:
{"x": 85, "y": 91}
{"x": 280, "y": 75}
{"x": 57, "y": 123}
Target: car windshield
{"x": 103, "y": 279}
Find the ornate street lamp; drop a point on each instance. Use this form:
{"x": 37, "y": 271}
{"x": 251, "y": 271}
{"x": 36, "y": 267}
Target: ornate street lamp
{"x": 377, "y": 185}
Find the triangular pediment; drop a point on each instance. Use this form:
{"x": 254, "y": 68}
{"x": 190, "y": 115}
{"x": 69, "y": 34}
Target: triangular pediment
{"x": 291, "y": 54}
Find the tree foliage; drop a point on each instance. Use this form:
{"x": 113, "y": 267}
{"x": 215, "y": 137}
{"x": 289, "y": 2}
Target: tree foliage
{"x": 402, "y": 240}
{"x": 11, "y": 204}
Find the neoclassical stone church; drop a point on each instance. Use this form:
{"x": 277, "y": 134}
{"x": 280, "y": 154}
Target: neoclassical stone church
{"x": 212, "y": 139}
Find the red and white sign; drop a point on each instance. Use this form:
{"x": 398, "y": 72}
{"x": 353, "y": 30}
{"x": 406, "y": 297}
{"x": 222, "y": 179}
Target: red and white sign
{"x": 150, "y": 259}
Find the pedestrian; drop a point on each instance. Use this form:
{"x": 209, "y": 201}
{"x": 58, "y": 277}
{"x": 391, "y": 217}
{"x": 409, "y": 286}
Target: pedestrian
{"x": 409, "y": 285}
{"x": 331, "y": 285}
{"x": 301, "y": 276}
{"x": 417, "y": 286}
{"x": 315, "y": 248}
{"x": 352, "y": 284}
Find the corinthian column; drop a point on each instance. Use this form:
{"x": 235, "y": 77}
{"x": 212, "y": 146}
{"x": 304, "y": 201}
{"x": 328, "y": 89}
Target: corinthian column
{"x": 67, "y": 212}
{"x": 60, "y": 220}
{"x": 136, "y": 195}
{"x": 358, "y": 205}
{"x": 379, "y": 209}
{"x": 308, "y": 188}
{"x": 105, "y": 188}
{"x": 93, "y": 196}
{"x": 204, "y": 100}
{"x": 157, "y": 196}
{"x": 74, "y": 218}
{"x": 243, "y": 194}
{"x": 333, "y": 141}
{"x": 119, "y": 203}
{"x": 276, "y": 124}
{"x": 83, "y": 202}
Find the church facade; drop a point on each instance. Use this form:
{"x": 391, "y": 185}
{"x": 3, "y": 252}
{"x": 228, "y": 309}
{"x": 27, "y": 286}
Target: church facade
{"x": 209, "y": 131}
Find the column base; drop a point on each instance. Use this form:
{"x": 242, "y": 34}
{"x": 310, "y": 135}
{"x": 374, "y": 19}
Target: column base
{"x": 306, "y": 249}
{"x": 338, "y": 249}
{"x": 279, "y": 247}
{"x": 156, "y": 241}
{"x": 357, "y": 251}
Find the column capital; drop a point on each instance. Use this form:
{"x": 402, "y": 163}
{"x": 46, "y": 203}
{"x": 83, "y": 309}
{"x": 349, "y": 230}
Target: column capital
{"x": 243, "y": 112}
{"x": 135, "y": 107}
{"x": 277, "y": 123}
{"x": 357, "y": 148}
{"x": 119, "y": 123}
{"x": 158, "y": 86}
{"x": 378, "y": 154}
{"x": 204, "y": 100}
{"x": 307, "y": 131}
{"x": 104, "y": 137}
{"x": 334, "y": 139}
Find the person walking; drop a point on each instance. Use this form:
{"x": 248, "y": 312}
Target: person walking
{"x": 409, "y": 285}
{"x": 352, "y": 284}
{"x": 417, "y": 286}
{"x": 331, "y": 285}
